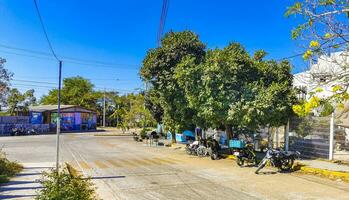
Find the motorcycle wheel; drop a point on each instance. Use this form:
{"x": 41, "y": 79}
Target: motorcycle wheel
{"x": 240, "y": 161}
{"x": 214, "y": 156}
{"x": 286, "y": 164}
{"x": 187, "y": 150}
{"x": 255, "y": 161}
{"x": 201, "y": 151}
{"x": 260, "y": 166}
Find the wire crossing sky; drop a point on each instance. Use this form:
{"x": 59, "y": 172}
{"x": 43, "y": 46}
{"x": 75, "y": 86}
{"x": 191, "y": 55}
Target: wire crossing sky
{"x": 107, "y": 40}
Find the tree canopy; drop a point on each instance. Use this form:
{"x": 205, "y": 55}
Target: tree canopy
{"x": 75, "y": 91}
{"x": 158, "y": 71}
{"x": 215, "y": 88}
{"x": 18, "y": 102}
{"x": 5, "y": 77}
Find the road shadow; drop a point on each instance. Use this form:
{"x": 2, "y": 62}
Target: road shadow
{"x": 37, "y": 167}
{"x": 15, "y": 196}
{"x": 18, "y": 183}
{"x": 107, "y": 177}
{"x": 7, "y": 189}
{"x": 28, "y": 174}
{"x": 266, "y": 173}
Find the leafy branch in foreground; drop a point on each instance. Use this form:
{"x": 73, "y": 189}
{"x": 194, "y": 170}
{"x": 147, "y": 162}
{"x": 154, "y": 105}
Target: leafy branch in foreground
{"x": 8, "y": 168}
{"x": 66, "y": 186}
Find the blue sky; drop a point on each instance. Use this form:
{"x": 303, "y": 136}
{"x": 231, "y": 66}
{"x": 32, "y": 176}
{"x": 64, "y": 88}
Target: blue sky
{"x": 120, "y": 32}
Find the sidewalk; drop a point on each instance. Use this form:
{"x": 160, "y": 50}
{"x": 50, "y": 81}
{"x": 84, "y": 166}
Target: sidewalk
{"x": 326, "y": 165}
{"x": 323, "y": 168}
{"x": 25, "y": 184}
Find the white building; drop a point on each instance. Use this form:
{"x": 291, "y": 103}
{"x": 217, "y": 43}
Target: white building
{"x": 321, "y": 74}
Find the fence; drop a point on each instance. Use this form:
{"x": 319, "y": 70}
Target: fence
{"x": 312, "y": 137}
{"x": 14, "y": 119}
{"x": 5, "y": 129}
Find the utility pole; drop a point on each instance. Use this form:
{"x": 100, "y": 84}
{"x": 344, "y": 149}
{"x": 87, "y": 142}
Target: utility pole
{"x": 287, "y": 135}
{"x": 145, "y": 118}
{"x": 117, "y": 116}
{"x": 104, "y": 109}
{"x": 58, "y": 114}
{"x": 330, "y": 156}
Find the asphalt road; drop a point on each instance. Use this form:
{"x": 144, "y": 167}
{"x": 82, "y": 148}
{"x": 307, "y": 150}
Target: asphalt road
{"x": 124, "y": 169}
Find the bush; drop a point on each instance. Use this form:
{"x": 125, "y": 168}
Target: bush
{"x": 143, "y": 132}
{"x": 8, "y": 168}
{"x": 4, "y": 179}
{"x": 65, "y": 186}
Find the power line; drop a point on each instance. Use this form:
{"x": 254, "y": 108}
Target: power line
{"x": 29, "y": 81}
{"x": 162, "y": 20}
{"x": 51, "y": 83}
{"x": 44, "y": 30}
{"x": 66, "y": 58}
{"x": 92, "y": 79}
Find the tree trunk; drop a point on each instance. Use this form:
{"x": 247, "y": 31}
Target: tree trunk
{"x": 229, "y": 131}
{"x": 173, "y": 133}
{"x": 270, "y": 141}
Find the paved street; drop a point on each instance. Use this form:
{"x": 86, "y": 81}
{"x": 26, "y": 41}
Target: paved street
{"x": 124, "y": 169}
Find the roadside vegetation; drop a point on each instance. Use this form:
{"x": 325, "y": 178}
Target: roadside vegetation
{"x": 66, "y": 185}
{"x": 8, "y": 168}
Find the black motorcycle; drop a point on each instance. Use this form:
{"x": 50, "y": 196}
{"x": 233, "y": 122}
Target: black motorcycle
{"x": 32, "y": 131}
{"x": 246, "y": 155}
{"x": 17, "y": 131}
{"x": 283, "y": 160}
{"x": 214, "y": 149}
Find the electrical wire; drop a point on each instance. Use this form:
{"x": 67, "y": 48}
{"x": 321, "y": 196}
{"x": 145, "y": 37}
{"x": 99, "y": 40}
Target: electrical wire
{"x": 71, "y": 60}
{"x": 51, "y": 83}
{"x": 44, "y": 30}
{"x": 162, "y": 20}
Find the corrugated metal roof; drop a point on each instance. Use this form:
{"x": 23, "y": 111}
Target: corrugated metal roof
{"x": 43, "y": 108}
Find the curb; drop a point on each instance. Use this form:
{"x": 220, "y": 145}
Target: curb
{"x": 325, "y": 173}
{"x": 101, "y": 135}
{"x": 231, "y": 157}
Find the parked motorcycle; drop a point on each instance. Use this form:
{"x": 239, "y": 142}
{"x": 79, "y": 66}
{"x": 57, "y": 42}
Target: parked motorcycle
{"x": 17, "y": 131}
{"x": 190, "y": 148}
{"x": 213, "y": 149}
{"x": 278, "y": 158}
{"x": 135, "y": 137}
{"x": 246, "y": 154}
{"x": 32, "y": 132}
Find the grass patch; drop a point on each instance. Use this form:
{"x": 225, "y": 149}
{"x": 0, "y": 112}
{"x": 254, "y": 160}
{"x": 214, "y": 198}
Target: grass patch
{"x": 66, "y": 185}
{"x": 8, "y": 168}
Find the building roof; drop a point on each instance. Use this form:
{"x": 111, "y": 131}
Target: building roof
{"x": 53, "y": 108}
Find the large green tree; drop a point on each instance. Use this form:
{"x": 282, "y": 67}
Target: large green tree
{"x": 267, "y": 100}
{"x": 75, "y": 91}
{"x": 18, "y": 102}
{"x": 212, "y": 86}
{"x": 5, "y": 77}
{"x": 232, "y": 89}
{"x": 158, "y": 71}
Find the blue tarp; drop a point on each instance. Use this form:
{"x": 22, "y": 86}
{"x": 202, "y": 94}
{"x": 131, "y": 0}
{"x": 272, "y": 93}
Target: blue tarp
{"x": 181, "y": 137}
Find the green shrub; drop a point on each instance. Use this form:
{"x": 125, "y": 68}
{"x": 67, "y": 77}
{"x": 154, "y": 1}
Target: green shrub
{"x": 3, "y": 179}
{"x": 8, "y": 168}
{"x": 143, "y": 132}
{"x": 64, "y": 186}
